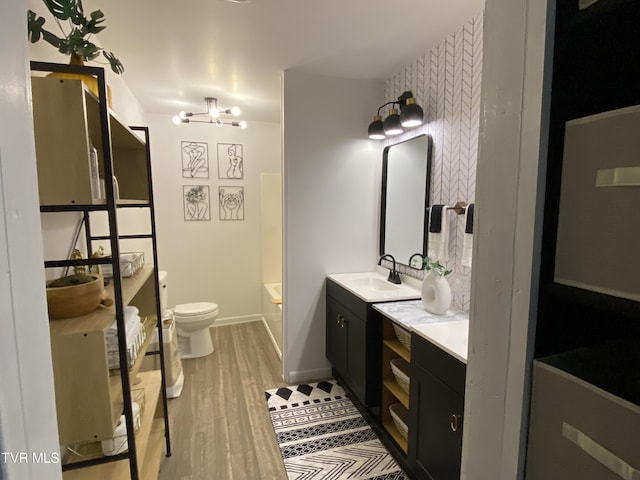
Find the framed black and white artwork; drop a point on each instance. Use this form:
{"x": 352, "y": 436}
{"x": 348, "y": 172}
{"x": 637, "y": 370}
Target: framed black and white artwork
{"x": 195, "y": 159}
{"x": 230, "y": 161}
{"x": 197, "y": 203}
{"x": 231, "y": 202}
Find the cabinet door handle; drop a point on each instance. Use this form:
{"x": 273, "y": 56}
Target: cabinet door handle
{"x": 453, "y": 422}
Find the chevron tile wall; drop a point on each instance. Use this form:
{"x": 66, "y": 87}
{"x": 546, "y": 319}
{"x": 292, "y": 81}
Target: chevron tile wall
{"x": 446, "y": 83}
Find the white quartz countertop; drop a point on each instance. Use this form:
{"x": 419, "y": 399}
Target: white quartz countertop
{"x": 452, "y": 337}
{"x": 449, "y": 332}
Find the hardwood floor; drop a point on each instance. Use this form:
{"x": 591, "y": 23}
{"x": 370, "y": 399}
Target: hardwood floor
{"x": 220, "y": 427}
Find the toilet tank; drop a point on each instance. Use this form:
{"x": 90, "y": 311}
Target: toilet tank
{"x": 164, "y": 293}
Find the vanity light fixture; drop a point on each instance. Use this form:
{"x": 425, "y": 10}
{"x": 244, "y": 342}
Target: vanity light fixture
{"x": 391, "y": 124}
{"x": 376, "y": 128}
{"x": 411, "y": 115}
{"x": 212, "y": 115}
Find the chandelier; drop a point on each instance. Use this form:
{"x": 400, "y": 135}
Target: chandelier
{"x": 211, "y": 115}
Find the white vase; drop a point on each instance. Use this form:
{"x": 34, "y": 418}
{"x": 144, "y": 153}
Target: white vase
{"x": 436, "y": 294}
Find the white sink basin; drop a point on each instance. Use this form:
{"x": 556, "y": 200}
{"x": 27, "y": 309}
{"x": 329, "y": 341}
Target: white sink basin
{"x": 374, "y": 287}
{"x": 373, "y": 283}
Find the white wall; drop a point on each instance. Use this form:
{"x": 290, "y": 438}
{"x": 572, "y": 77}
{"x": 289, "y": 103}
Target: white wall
{"x": 215, "y": 261}
{"x": 27, "y": 404}
{"x": 331, "y": 183}
{"x": 510, "y": 197}
{"x": 271, "y": 212}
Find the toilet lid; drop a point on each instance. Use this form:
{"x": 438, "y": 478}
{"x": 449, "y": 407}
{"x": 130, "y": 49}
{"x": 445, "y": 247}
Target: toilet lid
{"x": 198, "y": 308}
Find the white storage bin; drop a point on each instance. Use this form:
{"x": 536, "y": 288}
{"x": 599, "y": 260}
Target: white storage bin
{"x": 404, "y": 337}
{"x": 119, "y": 442}
{"x": 400, "y": 369}
{"x": 399, "y": 415}
{"x": 130, "y": 263}
{"x": 172, "y": 360}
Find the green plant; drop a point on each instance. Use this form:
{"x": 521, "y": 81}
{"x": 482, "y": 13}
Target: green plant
{"x": 436, "y": 267}
{"x": 76, "y": 42}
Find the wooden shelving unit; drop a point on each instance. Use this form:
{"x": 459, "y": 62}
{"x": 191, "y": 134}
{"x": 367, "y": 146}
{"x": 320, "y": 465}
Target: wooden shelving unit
{"x": 90, "y": 397}
{"x": 149, "y": 437}
{"x": 395, "y": 346}
{"x": 392, "y": 392}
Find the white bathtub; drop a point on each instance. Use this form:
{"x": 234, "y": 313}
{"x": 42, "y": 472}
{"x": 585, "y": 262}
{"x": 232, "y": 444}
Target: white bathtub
{"x": 272, "y": 313}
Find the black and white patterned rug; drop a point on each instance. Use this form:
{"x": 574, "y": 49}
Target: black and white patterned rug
{"x": 322, "y": 435}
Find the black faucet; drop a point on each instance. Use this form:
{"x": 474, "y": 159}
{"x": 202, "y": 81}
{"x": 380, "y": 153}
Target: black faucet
{"x": 394, "y": 276}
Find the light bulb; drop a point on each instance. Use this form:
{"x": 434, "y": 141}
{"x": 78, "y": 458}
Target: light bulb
{"x": 412, "y": 114}
{"x": 243, "y": 124}
{"x": 235, "y": 111}
{"x": 214, "y": 112}
{"x": 391, "y": 124}
{"x": 376, "y": 129}
{"x": 219, "y": 124}
{"x": 182, "y": 115}
{"x": 176, "y": 119}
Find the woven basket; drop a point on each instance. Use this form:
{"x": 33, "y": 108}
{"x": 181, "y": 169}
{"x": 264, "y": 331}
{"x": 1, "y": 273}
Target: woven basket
{"x": 404, "y": 337}
{"x": 399, "y": 416}
{"x": 400, "y": 369}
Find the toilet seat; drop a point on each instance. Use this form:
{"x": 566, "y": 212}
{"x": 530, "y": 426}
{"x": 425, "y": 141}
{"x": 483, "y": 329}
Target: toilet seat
{"x": 190, "y": 311}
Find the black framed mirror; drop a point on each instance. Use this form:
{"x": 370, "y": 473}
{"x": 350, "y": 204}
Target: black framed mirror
{"x": 406, "y": 174}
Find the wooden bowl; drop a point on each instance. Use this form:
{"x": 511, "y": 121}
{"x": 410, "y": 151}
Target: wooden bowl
{"x": 74, "y": 300}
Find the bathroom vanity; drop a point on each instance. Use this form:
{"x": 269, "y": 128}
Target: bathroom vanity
{"x": 348, "y": 334}
{"x": 372, "y": 331}
{"x": 353, "y": 334}
{"x": 436, "y": 410}
{"x": 437, "y": 356}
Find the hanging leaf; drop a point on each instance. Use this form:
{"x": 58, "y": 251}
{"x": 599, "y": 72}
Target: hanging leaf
{"x": 34, "y": 26}
{"x": 93, "y": 25}
{"x": 63, "y": 9}
{"x": 81, "y": 19}
{"x": 116, "y": 66}
{"x": 35, "y": 30}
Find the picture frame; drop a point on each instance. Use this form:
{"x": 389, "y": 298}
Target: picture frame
{"x": 230, "y": 161}
{"x": 196, "y": 203}
{"x": 195, "y": 159}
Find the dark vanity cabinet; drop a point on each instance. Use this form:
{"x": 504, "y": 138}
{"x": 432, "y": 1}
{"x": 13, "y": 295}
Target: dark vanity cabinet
{"x": 351, "y": 338}
{"x": 436, "y": 413}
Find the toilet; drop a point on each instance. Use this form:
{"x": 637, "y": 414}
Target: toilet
{"x": 192, "y": 323}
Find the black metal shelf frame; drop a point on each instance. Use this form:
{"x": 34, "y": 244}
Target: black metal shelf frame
{"x": 111, "y": 207}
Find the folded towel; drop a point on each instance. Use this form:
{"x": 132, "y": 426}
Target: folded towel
{"x": 132, "y": 334}
{"x": 467, "y": 240}
{"x": 438, "y": 233}
{"x": 131, "y": 318}
{"x": 435, "y": 218}
{"x": 469, "y": 218}
{"x": 135, "y": 339}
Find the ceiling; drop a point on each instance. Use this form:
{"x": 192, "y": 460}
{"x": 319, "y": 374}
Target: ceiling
{"x": 175, "y": 53}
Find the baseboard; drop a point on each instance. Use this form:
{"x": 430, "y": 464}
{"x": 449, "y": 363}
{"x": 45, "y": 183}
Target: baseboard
{"x": 307, "y": 375}
{"x": 221, "y": 322}
{"x": 273, "y": 340}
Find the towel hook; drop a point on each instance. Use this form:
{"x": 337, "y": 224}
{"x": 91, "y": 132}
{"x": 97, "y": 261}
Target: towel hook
{"x": 459, "y": 207}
